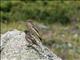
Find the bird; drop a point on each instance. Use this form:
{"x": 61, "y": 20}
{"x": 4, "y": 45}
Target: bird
{"x": 30, "y": 38}
{"x": 33, "y": 29}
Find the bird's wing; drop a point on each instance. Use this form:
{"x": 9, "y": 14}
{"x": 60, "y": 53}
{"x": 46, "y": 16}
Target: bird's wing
{"x": 37, "y": 32}
{"x": 36, "y": 29}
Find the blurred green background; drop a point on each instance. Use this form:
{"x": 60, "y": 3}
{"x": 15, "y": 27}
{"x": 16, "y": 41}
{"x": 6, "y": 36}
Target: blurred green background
{"x": 62, "y": 18}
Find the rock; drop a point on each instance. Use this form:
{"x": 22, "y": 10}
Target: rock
{"x": 14, "y": 46}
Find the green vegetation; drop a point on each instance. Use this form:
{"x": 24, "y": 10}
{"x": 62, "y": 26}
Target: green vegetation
{"x": 63, "y": 18}
{"x": 45, "y": 11}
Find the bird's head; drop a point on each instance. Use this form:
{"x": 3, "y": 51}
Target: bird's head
{"x": 29, "y": 23}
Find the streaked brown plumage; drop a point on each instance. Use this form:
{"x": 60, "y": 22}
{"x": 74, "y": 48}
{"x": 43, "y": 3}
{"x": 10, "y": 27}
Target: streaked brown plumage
{"x": 32, "y": 28}
{"x": 30, "y": 38}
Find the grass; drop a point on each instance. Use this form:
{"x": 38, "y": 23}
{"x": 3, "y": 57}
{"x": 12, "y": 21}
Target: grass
{"x": 13, "y": 25}
{"x": 63, "y": 40}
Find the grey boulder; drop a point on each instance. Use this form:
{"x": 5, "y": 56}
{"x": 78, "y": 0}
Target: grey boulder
{"x": 14, "y": 46}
